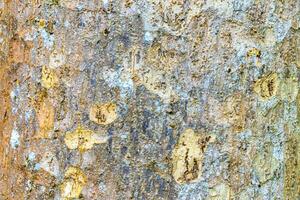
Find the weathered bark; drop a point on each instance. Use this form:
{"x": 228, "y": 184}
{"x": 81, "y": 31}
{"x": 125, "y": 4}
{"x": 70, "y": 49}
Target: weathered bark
{"x": 149, "y": 99}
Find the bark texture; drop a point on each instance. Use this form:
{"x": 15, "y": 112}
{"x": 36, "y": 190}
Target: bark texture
{"x": 149, "y": 99}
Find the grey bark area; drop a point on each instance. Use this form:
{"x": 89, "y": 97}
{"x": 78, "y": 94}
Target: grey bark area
{"x": 149, "y": 99}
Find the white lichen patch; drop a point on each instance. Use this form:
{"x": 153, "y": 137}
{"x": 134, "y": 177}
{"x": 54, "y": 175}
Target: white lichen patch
{"x": 270, "y": 39}
{"x": 31, "y": 156}
{"x": 148, "y": 37}
{"x": 176, "y": 15}
{"x": 49, "y": 78}
{"x": 48, "y": 39}
{"x": 104, "y": 113}
{"x": 73, "y": 183}
{"x": 50, "y": 164}
{"x": 83, "y": 139}
{"x": 267, "y": 86}
{"x": 154, "y": 83}
{"x": 219, "y": 192}
{"x": 14, "y": 139}
{"x": 223, "y": 7}
{"x": 187, "y": 156}
{"x": 105, "y": 3}
{"x": 122, "y": 79}
{"x": 56, "y": 59}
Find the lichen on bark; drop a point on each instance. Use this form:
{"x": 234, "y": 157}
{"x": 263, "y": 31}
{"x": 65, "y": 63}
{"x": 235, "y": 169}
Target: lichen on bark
{"x": 149, "y": 99}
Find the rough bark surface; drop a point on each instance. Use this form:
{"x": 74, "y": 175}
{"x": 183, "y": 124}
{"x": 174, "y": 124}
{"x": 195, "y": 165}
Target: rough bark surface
{"x": 149, "y": 99}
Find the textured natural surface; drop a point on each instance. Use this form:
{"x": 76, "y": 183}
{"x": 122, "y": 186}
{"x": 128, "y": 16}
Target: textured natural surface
{"x": 150, "y": 99}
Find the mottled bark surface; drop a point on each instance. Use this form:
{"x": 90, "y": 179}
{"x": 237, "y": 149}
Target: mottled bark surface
{"x": 149, "y": 99}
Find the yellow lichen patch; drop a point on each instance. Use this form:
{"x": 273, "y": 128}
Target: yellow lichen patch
{"x": 254, "y": 52}
{"x": 42, "y": 23}
{"x": 187, "y": 156}
{"x": 267, "y": 86}
{"x": 49, "y": 78}
{"x": 103, "y": 113}
{"x": 83, "y": 139}
{"x": 45, "y": 115}
{"x": 128, "y": 3}
{"x": 73, "y": 183}
{"x": 56, "y": 59}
